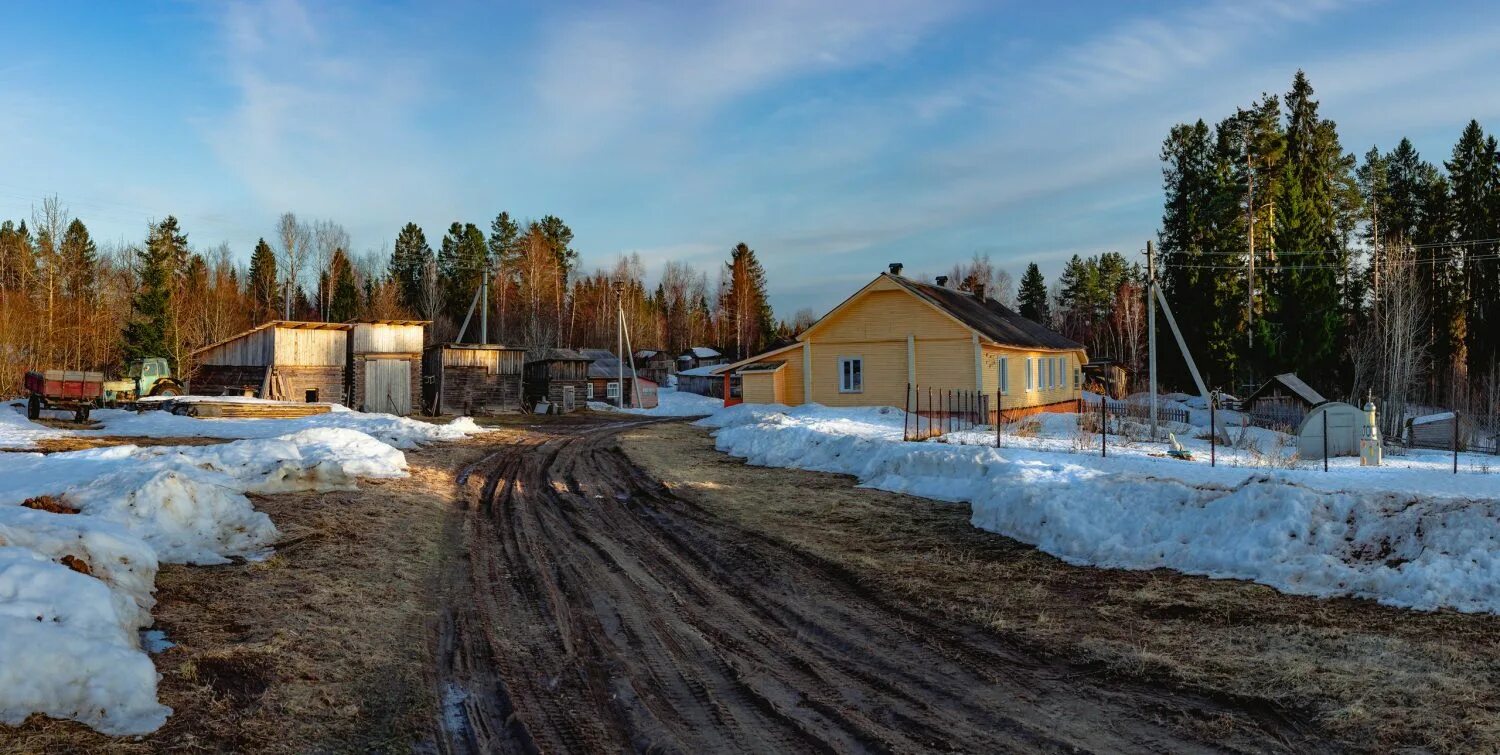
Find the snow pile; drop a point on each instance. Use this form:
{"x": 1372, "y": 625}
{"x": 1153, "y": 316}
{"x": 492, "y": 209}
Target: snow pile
{"x": 18, "y": 432}
{"x": 401, "y": 432}
{"x": 69, "y": 635}
{"x": 1390, "y": 539}
{"x": 671, "y": 403}
{"x": 66, "y": 652}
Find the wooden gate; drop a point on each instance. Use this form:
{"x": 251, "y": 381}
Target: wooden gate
{"x": 388, "y": 386}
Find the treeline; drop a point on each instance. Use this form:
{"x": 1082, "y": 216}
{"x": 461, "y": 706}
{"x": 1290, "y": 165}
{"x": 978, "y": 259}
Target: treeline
{"x": 1378, "y": 274}
{"x": 67, "y": 302}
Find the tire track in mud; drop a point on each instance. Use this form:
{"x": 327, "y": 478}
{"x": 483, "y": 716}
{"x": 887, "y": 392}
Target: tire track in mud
{"x": 596, "y": 611}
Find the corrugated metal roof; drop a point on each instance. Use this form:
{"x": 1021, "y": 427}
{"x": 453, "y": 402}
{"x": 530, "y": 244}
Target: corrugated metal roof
{"x": 703, "y": 352}
{"x": 605, "y": 364}
{"x": 560, "y": 355}
{"x": 990, "y": 318}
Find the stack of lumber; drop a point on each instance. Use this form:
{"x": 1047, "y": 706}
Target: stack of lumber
{"x": 247, "y": 410}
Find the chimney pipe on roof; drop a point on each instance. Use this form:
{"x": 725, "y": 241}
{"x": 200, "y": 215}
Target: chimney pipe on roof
{"x": 896, "y": 268}
{"x": 979, "y": 291}
{"x": 942, "y": 281}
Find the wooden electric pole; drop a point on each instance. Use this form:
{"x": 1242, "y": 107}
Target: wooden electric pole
{"x": 1151, "y": 327}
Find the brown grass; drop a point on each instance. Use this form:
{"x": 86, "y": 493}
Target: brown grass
{"x": 323, "y": 647}
{"x": 1377, "y": 678}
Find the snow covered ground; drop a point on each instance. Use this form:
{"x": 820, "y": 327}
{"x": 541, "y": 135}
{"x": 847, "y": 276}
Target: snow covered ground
{"x": 670, "y": 403}
{"x": 76, "y": 588}
{"x": 1409, "y": 534}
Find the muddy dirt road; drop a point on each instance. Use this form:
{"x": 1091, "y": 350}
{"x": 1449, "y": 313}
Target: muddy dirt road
{"x": 596, "y": 611}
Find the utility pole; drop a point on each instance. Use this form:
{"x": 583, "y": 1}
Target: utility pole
{"x": 620, "y": 348}
{"x": 484, "y": 304}
{"x": 1151, "y": 326}
{"x": 1250, "y": 261}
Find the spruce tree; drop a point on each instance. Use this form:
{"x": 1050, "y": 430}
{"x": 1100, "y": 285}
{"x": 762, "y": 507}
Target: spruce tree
{"x": 80, "y": 259}
{"x": 343, "y": 301}
{"x": 409, "y": 260}
{"x": 748, "y": 305}
{"x": 1308, "y": 312}
{"x": 1473, "y": 172}
{"x": 1032, "y": 298}
{"x": 264, "y": 285}
{"x": 146, "y": 335}
{"x": 462, "y": 260}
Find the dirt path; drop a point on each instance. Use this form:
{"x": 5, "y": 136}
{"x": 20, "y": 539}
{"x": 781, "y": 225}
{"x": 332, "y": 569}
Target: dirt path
{"x": 598, "y": 611}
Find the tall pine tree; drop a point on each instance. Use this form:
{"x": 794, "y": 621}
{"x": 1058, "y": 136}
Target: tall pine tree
{"x": 1475, "y": 204}
{"x": 409, "y": 261}
{"x": 264, "y": 285}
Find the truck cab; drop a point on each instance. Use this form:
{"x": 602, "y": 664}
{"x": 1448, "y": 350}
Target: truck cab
{"x": 151, "y": 376}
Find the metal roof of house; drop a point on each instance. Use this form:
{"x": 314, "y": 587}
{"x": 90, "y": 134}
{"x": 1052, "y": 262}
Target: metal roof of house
{"x": 703, "y": 352}
{"x": 559, "y": 355}
{"x": 605, "y": 364}
{"x": 708, "y": 371}
{"x": 1291, "y": 382}
{"x": 988, "y": 317}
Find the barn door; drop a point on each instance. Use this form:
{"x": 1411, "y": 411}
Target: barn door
{"x": 569, "y": 398}
{"x": 388, "y": 386}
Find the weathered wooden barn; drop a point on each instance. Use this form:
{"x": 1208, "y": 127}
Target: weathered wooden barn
{"x": 1444, "y": 430}
{"x": 605, "y": 371}
{"x": 280, "y": 359}
{"x": 472, "y": 379}
{"x": 700, "y": 356}
{"x": 559, "y": 377}
{"x": 385, "y": 365}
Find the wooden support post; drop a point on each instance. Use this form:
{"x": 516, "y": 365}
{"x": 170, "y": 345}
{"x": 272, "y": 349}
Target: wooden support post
{"x": 1325, "y": 439}
{"x": 999, "y": 408}
{"x": 1103, "y": 427}
{"x": 1455, "y": 441}
{"x": 1213, "y": 434}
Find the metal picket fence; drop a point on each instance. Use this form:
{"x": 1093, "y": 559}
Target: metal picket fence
{"x": 931, "y": 412}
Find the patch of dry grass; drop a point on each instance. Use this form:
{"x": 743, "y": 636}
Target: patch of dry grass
{"x": 1377, "y": 678}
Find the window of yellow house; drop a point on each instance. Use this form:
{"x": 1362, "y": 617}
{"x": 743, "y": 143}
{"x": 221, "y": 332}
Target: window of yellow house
{"x": 851, "y": 375}
{"x": 1029, "y": 379}
{"x": 1004, "y": 376}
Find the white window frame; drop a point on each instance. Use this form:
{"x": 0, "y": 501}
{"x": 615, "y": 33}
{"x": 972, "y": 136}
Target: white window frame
{"x": 1077, "y": 378}
{"x": 590, "y": 391}
{"x": 1004, "y": 376}
{"x": 853, "y": 368}
{"x": 611, "y": 390}
{"x": 1030, "y": 380}
{"x": 1051, "y": 373}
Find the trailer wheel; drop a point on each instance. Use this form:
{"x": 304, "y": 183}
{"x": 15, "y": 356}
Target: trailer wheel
{"x": 34, "y": 407}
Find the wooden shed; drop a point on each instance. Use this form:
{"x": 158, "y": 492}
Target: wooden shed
{"x": 472, "y": 379}
{"x": 280, "y": 359}
{"x": 559, "y": 377}
{"x": 1282, "y": 401}
{"x": 385, "y": 365}
{"x": 655, "y": 365}
{"x": 1438, "y": 431}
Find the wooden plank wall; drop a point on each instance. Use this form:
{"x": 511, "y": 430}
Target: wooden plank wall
{"x": 311, "y": 348}
{"x": 252, "y": 350}
{"x": 380, "y": 338}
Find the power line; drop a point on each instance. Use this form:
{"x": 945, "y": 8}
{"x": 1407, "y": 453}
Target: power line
{"x": 1388, "y": 264}
{"x": 1297, "y": 252}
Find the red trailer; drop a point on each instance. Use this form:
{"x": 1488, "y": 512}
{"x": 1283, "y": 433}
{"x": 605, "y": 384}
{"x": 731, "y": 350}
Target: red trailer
{"x": 64, "y": 389}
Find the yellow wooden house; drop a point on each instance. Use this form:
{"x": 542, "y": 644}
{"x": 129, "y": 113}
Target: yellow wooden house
{"x": 896, "y": 334}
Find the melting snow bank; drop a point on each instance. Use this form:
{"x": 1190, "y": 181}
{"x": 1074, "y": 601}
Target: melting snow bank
{"x": 669, "y": 403}
{"x": 1398, "y": 548}
{"x": 76, "y": 588}
{"x": 18, "y": 432}
{"x": 401, "y": 432}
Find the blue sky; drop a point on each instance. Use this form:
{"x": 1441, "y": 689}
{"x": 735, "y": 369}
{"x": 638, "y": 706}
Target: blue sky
{"x": 832, "y": 136}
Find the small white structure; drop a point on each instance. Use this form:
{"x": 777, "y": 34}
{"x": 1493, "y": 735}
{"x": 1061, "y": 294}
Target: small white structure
{"x": 1345, "y": 429}
{"x": 1370, "y": 452}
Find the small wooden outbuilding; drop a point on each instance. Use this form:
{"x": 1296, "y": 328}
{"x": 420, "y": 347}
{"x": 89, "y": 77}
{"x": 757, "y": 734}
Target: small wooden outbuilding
{"x": 559, "y": 377}
{"x": 1283, "y": 400}
{"x": 385, "y": 365}
{"x": 704, "y": 381}
{"x": 1438, "y": 431}
{"x": 1345, "y": 428}
{"x": 655, "y": 365}
{"x": 471, "y": 378}
{"x": 281, "y": 359}
{"x": 700, "y": 356}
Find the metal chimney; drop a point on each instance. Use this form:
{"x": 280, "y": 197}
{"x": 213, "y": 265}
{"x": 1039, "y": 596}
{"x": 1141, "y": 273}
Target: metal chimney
{"x": 942, "y": 281}
{"x": 896, "y": 268}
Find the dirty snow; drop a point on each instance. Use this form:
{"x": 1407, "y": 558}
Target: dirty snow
{"x": 71, "y": 644}
{"x": 1408, "y": 534}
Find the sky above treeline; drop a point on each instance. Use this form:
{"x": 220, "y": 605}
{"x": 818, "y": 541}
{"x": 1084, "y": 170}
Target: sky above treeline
{"x": 832, "y": 136}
